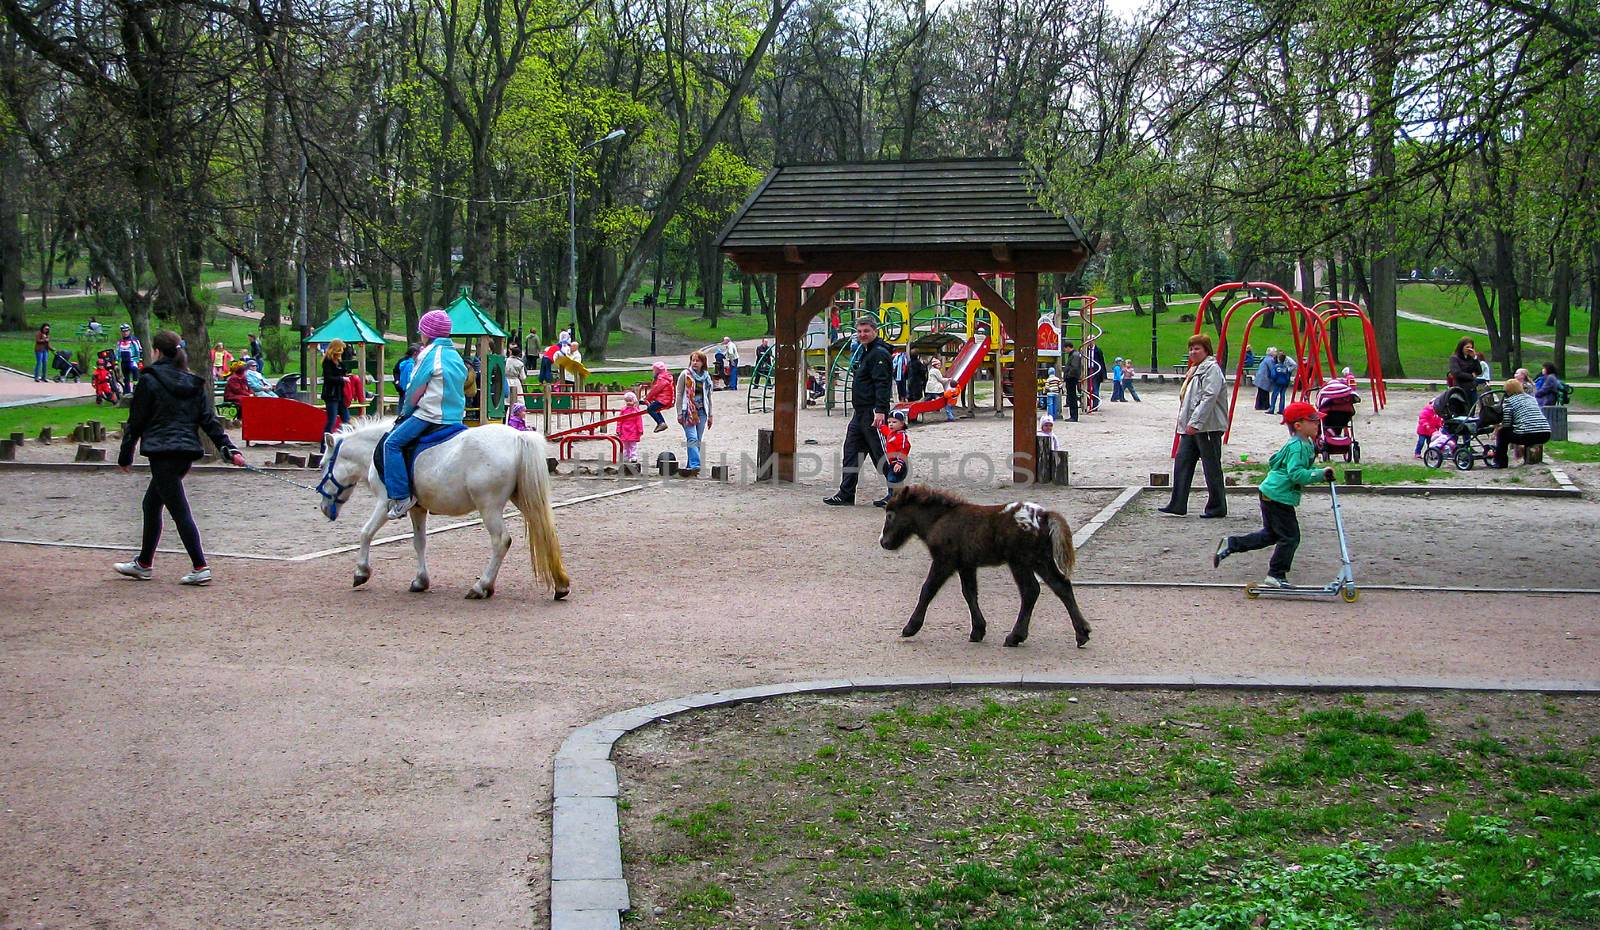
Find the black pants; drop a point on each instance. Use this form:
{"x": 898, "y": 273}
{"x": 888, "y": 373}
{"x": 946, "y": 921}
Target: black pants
{"x": 1207, "y": 448}
{"x": 1505, "y": 438}
{"x": 1263, "y": 399}
{"x": 166, "y": 490}
{"x": 1072, "y": 399}
{"x": 1279, "y": 528}
{"x": 860, "y": 438}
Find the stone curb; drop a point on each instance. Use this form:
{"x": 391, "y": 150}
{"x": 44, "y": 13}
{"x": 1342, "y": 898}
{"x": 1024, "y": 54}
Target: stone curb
{"x": 588, "y": 890}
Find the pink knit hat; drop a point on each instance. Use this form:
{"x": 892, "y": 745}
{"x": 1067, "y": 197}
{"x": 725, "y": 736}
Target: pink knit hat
{"x": 435, "y": 324}
{"x": 659, "y": 367}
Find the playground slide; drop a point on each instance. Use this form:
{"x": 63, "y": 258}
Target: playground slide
{"x": 961, "y": 371}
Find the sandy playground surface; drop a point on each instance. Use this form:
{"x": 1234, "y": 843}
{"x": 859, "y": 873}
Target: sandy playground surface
{"x": 282, "y": 750}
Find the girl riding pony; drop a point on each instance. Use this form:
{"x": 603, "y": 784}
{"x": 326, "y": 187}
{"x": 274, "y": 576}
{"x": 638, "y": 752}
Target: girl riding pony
{"x": 436, "y": 396}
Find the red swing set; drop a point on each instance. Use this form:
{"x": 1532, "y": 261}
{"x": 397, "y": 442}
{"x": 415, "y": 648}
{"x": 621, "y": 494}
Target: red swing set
{"x": 1309, "y": 327}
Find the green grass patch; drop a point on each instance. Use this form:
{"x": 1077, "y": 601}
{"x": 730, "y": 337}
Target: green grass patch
{"x": 61, "y": 418}
{"x": 1569, "y": 451}
{"x": 1371, "y": 472}
{"x": 1425, "y": 812}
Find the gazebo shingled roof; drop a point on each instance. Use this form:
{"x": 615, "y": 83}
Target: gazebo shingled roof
{"x": 963, "y": 217}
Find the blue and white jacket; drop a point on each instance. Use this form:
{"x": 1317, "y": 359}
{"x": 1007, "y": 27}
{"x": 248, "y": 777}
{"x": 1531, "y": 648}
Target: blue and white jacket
{"x": 438, "y": 389}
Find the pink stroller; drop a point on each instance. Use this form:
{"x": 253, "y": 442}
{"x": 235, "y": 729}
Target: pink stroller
{"x": 1337, "y": 400}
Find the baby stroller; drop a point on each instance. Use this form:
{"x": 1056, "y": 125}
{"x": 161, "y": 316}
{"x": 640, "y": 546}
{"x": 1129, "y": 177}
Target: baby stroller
{"x": 65, "y": 366}
{"x": 1461, "y": 440}
{"x": 1337, "y": 401}
{"x": 287, "y": 385}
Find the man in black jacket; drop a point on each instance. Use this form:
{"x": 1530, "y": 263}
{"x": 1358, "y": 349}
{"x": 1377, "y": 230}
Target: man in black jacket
{"x": 870, "y": 393}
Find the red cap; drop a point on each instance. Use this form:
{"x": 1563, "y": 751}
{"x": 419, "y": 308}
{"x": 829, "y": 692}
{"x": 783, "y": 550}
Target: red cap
{"x": 1300, "y": 410}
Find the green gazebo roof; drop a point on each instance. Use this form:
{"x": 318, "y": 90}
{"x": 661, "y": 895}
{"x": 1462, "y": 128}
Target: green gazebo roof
{"x": 347, "y": 327}
{"x": 468, "y": 319}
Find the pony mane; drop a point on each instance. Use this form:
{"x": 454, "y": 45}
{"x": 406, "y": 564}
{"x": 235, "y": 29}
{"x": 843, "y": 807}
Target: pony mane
{"x": 923, "y": 494}
{"x": 364, "y": 422}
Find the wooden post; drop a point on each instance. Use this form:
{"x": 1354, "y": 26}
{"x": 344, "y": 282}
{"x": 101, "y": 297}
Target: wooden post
{"x": 786, "y": 391}
{"x": 483, "y": 380}
{"x": 546, "y": 386}
{"x": 361, "y": 366}
{"x": 1024, "y": 377}
{"x": 377, "y": 393}
{"x": 763, "y": 455}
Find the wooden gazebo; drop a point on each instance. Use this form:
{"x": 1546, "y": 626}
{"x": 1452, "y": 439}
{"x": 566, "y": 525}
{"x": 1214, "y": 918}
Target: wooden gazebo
{"x": 965, "y": 218}
{"x": 348, "y": 327}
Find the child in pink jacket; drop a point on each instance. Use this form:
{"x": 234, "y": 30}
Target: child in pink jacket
{"x": 1428, "y": 423}
{"x": 631, "y": 427}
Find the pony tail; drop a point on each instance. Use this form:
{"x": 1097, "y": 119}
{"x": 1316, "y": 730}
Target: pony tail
{"x": 532, "y": 497}
{"x": 172, "y": 347}
{"x": 1061, "y": 549}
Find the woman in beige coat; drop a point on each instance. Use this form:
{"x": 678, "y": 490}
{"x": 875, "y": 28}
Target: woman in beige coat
{"x": 1202, "y": 419}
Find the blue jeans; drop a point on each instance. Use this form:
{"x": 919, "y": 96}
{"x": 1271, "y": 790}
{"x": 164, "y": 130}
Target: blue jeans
{"x": 1422, "y": 443}
{"x": 694, "y": 432}
{"x": 1053, "y": 405}
{"x": 1127, "y": 385}
{"x": 1116, "y": 392}
{"x": 1275, "y": 402}
{"x": 40, "y": 371}
{"x": 733, "y": 377}
{"x": 395, "y": 479}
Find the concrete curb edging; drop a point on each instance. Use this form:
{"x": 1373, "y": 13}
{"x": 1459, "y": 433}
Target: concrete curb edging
{"x": 588, "y": 890}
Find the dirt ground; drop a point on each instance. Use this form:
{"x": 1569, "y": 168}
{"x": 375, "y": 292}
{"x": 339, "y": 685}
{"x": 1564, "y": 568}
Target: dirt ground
{"x": 281, "y": 750}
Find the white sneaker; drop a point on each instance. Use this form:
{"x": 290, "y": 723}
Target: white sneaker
{"x": 199, "y": 577}
{"x": 399, "y": 508}
{"x": 133, "y": 569}
{"x": 1271, "y": 582}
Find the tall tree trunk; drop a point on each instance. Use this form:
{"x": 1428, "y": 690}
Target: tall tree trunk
{"x": 1509, "y": 352}
{"x": 13, "y": 307}
{"x": 1561, "y": 307}
{"x": 1381, "y": 122}
{"x": 1594, "y": 309}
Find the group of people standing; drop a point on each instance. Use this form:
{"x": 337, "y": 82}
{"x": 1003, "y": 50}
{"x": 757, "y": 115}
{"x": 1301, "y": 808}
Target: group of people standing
{"x": 1273, "y": 378}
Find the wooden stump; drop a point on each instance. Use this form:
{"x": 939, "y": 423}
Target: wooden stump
{"x": 1159, "y": 479}
{"x": 1050, "y": 463}
{"x": 764, "y": 459}
{"x": 297, "y": 461}
{"x": 1535, "y": 455}
{"x": 8, "y": 451}
{"x": 632, "y": 469}
{"x": 1230, "y": 481}
{"x": 314, "y": 460}
{"x": 720, "y": 473}
{"x": 44, "y": 435}
{"x": 666, "y": 464}
{"x": 281, "y": 458}
{"x": 1352, "y": 476}
{"x": 87, "y": 453}
{"x": 550, "y": 464}
{"x": 16, "y": 439}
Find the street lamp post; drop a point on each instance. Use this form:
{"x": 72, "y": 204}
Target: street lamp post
{"x": 572, "y": 226}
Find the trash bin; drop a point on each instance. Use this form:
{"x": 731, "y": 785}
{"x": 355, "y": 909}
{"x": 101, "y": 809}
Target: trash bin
{"x": 1557, "y": 415}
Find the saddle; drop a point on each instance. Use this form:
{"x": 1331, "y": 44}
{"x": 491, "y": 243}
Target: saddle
{"x": 435, "y": 434}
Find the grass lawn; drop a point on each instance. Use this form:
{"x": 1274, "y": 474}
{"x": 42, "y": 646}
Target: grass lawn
{"x": 1568, "y": 451}
{"x": 1458, "y": 305}
{"x": 1164, "y": 810}
{"x": 61, "y": 418}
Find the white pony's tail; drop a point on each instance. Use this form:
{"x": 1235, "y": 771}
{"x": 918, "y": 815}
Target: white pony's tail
{"x": 532, "y": 497}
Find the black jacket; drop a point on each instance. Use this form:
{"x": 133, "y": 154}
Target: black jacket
{"x": 333, "y": 376}
{"x": 169, "y": 408}
{"x": 873, "y": 383}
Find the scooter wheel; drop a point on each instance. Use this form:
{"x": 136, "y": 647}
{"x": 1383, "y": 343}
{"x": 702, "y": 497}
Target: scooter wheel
{"x": 1251, "y": 591}
{"x": 1350, "y": 594}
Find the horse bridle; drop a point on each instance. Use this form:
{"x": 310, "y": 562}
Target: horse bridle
{"x": 338, "y": 497}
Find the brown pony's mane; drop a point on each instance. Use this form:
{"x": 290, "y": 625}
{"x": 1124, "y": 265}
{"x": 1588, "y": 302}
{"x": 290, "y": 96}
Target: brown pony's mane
{"x": 922, "y": 494}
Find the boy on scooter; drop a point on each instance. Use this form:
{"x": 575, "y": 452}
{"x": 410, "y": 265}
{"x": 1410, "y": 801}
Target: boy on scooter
{"x": 1287, "y": 475}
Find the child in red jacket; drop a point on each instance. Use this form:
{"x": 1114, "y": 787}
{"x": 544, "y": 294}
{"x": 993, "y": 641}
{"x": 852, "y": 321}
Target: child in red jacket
{"x": 896, "y": 452}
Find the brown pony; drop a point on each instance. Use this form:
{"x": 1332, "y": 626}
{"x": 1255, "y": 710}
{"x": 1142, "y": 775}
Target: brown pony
{"x": 961, "y": 536}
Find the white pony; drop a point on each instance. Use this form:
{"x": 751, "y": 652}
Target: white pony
{"x": 478, "y": 470}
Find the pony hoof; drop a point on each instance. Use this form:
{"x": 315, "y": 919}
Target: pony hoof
{"x": 361, "y": 578}
{"x": 910, "y": 630}
{"x": 976, "y": 636}
{"x": 561, "y": 593}
{"x": 476, "y": 593}
{"x": 1083, "y": 640}
{"x": 1014, "y": 640}
{"x": 419, "y": 585}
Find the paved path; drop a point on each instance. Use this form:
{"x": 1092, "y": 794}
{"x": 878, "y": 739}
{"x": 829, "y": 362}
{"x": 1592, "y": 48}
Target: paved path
{"x": 18, "y": 389}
